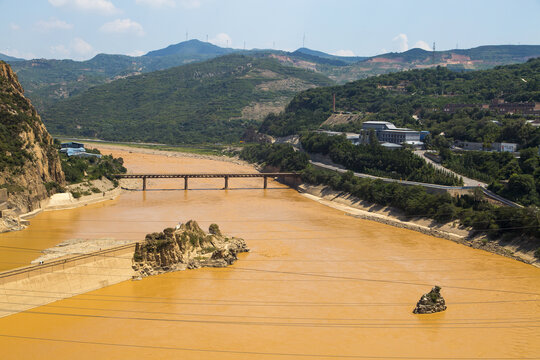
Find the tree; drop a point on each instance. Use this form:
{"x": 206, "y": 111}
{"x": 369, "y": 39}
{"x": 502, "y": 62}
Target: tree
{"x": 522, "y": 188}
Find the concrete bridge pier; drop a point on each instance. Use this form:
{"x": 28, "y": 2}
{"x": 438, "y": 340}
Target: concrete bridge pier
{"x": 185, "y": 183}
{"x": 265, "y": 182}
{"x": 144, "y": 183}
{"x": 226, "y": 182}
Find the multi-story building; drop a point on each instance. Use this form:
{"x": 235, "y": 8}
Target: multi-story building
{"x": 388, "y": 132}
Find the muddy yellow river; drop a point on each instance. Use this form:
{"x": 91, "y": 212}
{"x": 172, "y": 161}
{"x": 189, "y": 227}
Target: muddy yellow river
{"x": 318, "y": 284}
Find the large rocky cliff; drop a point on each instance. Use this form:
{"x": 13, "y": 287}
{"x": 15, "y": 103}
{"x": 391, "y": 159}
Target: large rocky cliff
{"x": 29, "y": 163}
{"x": 185, "y": 247}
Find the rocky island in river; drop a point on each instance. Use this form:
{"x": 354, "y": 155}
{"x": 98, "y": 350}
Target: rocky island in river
{"x": 185, "y": 247}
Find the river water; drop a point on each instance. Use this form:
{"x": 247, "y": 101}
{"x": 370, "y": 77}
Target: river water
{"x": 317, "y": 284}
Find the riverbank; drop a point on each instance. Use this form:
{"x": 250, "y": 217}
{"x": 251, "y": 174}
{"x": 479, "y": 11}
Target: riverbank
{"x": 132, "y": 149}
{"x": 517, "y": 250}
{"x": 64, "y": 201}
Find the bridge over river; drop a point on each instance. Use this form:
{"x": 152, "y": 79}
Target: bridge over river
{"x": 265, "y": 176}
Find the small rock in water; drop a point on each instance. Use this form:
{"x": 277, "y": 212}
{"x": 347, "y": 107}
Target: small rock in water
{"x": 431, "y": 302}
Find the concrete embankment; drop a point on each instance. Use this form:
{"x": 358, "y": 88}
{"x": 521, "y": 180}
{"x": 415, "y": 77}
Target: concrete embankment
{"x": 28, "y": 287}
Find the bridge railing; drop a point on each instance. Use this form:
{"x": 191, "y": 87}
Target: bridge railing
{"x": 226, "y": 177}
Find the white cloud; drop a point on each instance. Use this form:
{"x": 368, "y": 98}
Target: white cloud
{"x": 123, "y": 26}
{"x": 77, "y": 49}
{"x": 157, "y": 3}
{"x": 136, "y": 53}
{"x": 53, "y": 24}
{"x": 343, "y": 53}
{"x": 222, "y": 40}
{"x": 190, "y": 4}
{"x": 402, "y": 42}
{"x": 14, "y": 26}
{"x": 82, "y": 48}
{"x": 60, "y": 51}
{"x": 104, "y": 7}
{"x": 421, "y": 44}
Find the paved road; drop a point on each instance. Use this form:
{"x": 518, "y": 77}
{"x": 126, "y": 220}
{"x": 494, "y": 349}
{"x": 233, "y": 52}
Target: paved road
{"x": 435, "y": 186}
{"x": 466, "y": 181}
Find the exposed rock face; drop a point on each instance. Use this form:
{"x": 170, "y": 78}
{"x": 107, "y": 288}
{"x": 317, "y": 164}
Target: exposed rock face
{"x": 431, "y": 302}
{"x": 186, "y": 247}
{"x": 28, "y": 159}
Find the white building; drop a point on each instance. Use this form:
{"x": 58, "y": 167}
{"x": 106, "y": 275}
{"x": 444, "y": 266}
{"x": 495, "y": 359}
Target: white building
{"x": 388, "y": 132}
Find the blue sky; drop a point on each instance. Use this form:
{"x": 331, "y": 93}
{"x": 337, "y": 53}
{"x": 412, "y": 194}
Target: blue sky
{"x": 79, "y": 29}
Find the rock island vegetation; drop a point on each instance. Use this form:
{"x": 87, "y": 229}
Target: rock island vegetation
{"x": 186, "y": 247}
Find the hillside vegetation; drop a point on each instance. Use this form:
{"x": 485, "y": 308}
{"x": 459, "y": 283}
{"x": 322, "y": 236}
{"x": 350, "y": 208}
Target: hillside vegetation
{"x": 48, "y": 81}
{"x": 377, "y": 160}
{"x": 212, "y": 101}
{"x": 397, "y": 97}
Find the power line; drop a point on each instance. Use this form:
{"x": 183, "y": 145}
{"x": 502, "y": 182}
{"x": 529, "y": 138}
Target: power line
{"x": 228, "y": 302}
{"x": 415, "y": 320}
{"x": 307, "y": 325}
{"x": 59, "y": 252}
{"x": 392, "y": 281}
{"x": 156, "y": 347}
{"x": 262, "y": 220}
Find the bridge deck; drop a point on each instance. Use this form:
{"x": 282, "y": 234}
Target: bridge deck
{"x": 226, "y": 177}
{"x": 236, "y": 175}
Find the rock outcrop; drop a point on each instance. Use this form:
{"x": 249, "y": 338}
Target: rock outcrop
{"x": 29, "y": 164}
{"x": 431, "y": 302}
{"x": 185, "y": 247}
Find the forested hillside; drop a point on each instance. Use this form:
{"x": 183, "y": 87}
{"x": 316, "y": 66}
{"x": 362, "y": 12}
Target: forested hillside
{"x": 48, "y": 81}
{"x": 416, "y": 98}
{"x": 212, "y": 101}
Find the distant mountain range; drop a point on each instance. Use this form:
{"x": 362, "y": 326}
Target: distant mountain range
{"x": 211, "y": 101}
{"x": 8, "y": 58}
{"x": 48, "y": 81}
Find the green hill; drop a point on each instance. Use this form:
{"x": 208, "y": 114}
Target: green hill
{"x": 397, "y": 97}
{"x": 48, "y": 81}
{"x": 212, "y": 101}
